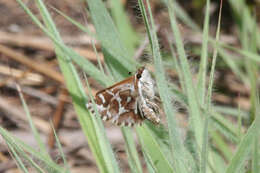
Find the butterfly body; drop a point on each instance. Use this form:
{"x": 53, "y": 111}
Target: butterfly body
{"x": 128, "y": 102}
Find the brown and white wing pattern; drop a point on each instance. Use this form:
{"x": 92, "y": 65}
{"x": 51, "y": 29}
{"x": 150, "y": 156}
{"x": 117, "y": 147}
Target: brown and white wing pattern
{"x": 118, "y": 104}
{"x": 128, "y": 102}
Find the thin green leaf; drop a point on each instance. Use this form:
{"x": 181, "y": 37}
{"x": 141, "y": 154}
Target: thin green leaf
{"x": 60, "y": 149}
{"x": 36, "y": 134}
{"x": 123, "y": 24}
{"x": 245, "y": 146}
{"x": 17, "y": 150}
{"x": 194, "y": 110}
{"x": 221, "y": 145}
{"x": 204, "y": 156}
{"x": 16, "y": 157}
{"x": 201, "y": 86}
{"x": 97, "y": 140}
{"x": 132, "y": 154}
{"x": 226, "y": 127}
{"x": 87, "y": 66}
{"x": 255, "y": 153}
{"x": 21, "y": 147}
{"x": 107, "y": 34}
{"x": 74, "y": 22}
{"x": 117, "y": 58}
{"x": 179, "y": 153}
{"x": 158, "y": 160}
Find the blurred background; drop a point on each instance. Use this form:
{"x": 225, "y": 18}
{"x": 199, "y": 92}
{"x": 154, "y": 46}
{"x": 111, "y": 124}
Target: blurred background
{"x": 27, "y": 57}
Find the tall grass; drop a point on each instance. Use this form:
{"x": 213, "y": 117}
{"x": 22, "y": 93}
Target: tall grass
{"x": 163, "y": 147}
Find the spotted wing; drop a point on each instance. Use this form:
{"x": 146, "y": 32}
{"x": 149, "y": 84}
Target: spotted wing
{"x": 127, "y": 114}
{"x": 117, "y": 104}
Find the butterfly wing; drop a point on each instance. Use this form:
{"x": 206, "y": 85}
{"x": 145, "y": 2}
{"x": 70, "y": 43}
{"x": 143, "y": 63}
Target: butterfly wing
{"x": 127, "y": 114}
{"x": 118, "y": 104}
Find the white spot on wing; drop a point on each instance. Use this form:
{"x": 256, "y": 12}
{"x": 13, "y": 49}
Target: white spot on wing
{"x": 109, "y": 92}
{"x": 128, "y": 99}
{"x": 104, "y": 118}
{"x": 109, "y": 114}
{"x": 102, "y": 98}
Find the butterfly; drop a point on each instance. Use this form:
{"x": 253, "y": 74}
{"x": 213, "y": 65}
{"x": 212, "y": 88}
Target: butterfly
{"x": 128, "y": 102}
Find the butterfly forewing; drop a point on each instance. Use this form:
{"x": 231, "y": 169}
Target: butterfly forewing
{"x": 118, "y": 103}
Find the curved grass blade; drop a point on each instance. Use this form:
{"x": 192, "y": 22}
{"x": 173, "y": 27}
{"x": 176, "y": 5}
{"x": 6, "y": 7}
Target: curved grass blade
{"x": 113, "y": 49}
{"x": 22, "y": 149}
{"x": 179, "y": 154}
{"x": 201, "y": 86}
{"x": 87, "y": 66}
{"x": 132, "y": 154}
{"x": 109, "y": 37}
{"x": 36, "y": 134}
{"x": 128, "y": 35}
{"x": 152, "y": 149}
{"x": 77, "y": 24}
{"x": 60, "y": 149}
{"x": 245, "y": 146}
{"x": 105, "y": 160}
{"x": 16, "y": 157}
{"x": 204, "y": 155}
{"x": 194, "y": 109}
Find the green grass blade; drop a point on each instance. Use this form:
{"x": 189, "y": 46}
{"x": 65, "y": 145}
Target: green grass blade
{"x": 109, "y": 37}
{"x": 132, "y": 154}
{"x": 36, "y": 134}
{"x": 238, "y": 7}
{"x": 21, "y": 152}
{"x": 149, "y": 163}
{"x": 77, "y": 24}
{"x": 153, "y": 151}
{"x": 204, "y": 155}
{"x": 176, "y": 65}
{"x": 107, "y": 34}
{"x": 225, "y": 127}
{"x": 60, "y": 149}
{"x": 29, "y": 160}
{"x": 221, "y": 145}
{"x": 183, "y": 16}
{"x": 255, "y": 154}
{"x": 194, "y": 110}
{"x": 231, "y": 62}
{"x": 88, "y": 67}
{"x": 103, "y": 144}
{"x": 16, "y": 157}
{"x": 245, "y": 53}
{"x": 179, "y": 153}
{"x": 24, "y": 148}
{"x": 231, "y": 111}
{"x": 201, "y": 86}
{"x": 97, "y": 141}
{"x": 205, "y": 148}
{"x": 248, "y": 40}
{"x": 213, "y": 65}
{"x": 123, "y": 24}
{"x": 244, "y": 147}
